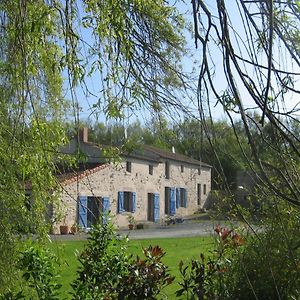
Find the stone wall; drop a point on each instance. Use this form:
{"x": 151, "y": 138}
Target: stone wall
{"x": 109, "y": 179}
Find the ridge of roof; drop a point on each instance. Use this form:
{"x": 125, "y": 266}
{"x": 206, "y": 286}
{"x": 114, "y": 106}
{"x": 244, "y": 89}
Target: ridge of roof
{"x": 176, "y": 156}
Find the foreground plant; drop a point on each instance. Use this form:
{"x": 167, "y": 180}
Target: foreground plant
{"x": 146, "y": 277}
{"x": 108, "y": 272}
{"x": 205, "y": 279}
{"x": 39, "y": 271}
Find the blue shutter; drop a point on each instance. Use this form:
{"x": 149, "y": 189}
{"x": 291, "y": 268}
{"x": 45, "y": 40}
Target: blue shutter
{"x": 172, "y": 201}
{"x": 105, "y": 211}
{"x": 178, "y": 200}
{"x": 156, "y": 207}
{"x": 82, "y": 211}
{"x": 133, "y": 202}
{"x": 185, "y": 198}
{"x": 120, "y": 202}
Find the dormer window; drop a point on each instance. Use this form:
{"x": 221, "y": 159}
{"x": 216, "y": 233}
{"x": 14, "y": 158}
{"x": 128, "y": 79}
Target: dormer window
{"x": 128, "y": 166}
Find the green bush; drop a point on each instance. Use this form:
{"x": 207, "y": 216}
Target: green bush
{"x": 108, "y": 272}
{"x": 146, "y": 277}
{"x": 39, "y": 271}
{"x": 103, "y": 263}
{"x": 268, "y": 267}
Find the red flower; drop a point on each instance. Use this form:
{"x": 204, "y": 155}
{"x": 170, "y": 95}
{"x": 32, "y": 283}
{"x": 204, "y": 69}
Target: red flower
{"x": 237, "y": 240}
{"x": 223, "y": 232}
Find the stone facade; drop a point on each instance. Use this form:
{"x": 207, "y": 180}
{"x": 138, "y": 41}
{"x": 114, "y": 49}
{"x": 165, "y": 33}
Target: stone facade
{"x": 109, "y": 179}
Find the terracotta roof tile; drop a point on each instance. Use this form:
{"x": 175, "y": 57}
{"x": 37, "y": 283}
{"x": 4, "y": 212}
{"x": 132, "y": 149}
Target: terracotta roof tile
{"x": 72, "y": 177}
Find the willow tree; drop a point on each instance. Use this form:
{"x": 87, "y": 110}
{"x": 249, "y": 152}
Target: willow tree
{"x": 48, "y": 48}
{"x": 250, "y": 68}
{"x": 258, "y": 46}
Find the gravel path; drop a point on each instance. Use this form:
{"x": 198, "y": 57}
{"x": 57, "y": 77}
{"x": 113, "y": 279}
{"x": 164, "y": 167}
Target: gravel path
{"x": 186, "y": 229}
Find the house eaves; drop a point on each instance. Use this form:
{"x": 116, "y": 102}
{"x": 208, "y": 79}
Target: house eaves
{"x": 71, "y": 177}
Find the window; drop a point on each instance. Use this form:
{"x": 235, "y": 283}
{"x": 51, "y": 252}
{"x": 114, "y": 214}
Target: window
{"x": 90, "y": 209}
{"x": 153, "y": 207}
{"x": 167, "y": 200}
{"x": 204, "y": 189}
{"x": 170, "y": 201}
{"x": 198, "y": 193}
{"x": 150, "y": 169}
{"x": 126, "y": 202}
{"x": 199, "y": 171}
{"x": 128, "y": 166}
{"x": 182, "y": 168}
{"x": 167, "y": 170}
{"x": 94, "y": 209}
{"x": 181, "y": 197}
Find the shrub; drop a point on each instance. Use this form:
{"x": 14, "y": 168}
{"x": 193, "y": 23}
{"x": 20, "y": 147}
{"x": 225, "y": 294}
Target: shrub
{"x": 265, "y": 265}
{"x": 103, "y": 263}
{"x": 203, "y": 279}
{"x": 108, "y": 272}
{"x": 146, "y": 277}
{"x": 268, "y": 266}
{"x": 39, "y": 270}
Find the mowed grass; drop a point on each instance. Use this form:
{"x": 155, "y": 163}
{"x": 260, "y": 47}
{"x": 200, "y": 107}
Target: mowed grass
{"x": 176, "y": 249}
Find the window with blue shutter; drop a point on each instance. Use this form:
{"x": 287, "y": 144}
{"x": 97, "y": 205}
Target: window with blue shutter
{"x": 184, "y": 198}
{"x": 106, "y": 208}
{"x": 82, "y": 211}
{"x": 126, "y": 202}
{"x": 172, "y": 201}
{"x": 120, "y": 202}
{"x": 133, "y": 202}
{"x": 178, "y": 198}
{"x": 156, "y": 207}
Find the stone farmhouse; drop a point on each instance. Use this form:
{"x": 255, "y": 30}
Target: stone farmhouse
{"x": 150, "y": 184}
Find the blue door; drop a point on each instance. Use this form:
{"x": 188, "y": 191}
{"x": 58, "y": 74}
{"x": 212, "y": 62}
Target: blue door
{"x": 156, "y": 207}
{"x": 172, "y": 201}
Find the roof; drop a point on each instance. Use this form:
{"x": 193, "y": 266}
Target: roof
{"x": 149, "y": 153}
{"x": 164, "y": 154}
{"x": 71, "y": 177}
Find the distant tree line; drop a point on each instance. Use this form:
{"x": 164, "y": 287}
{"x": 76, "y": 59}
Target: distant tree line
{"x": 219, "y": 145}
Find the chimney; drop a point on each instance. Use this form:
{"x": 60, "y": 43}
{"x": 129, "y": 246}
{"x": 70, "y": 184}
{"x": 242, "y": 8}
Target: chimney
{"x": 83, "y": 134}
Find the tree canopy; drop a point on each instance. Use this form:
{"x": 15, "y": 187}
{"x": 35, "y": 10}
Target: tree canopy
{"x": 132, "y": 49}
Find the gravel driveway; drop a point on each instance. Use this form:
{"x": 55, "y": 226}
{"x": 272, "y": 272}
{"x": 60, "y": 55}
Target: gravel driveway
{"x": 186, "y": 229}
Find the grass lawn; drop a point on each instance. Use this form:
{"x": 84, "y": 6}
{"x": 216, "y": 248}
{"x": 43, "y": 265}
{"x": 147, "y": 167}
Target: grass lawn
{"x": 176, "y": 250}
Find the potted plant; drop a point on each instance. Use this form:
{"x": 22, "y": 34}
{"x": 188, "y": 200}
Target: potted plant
{"x": 74, "y": 228}
{"x": 131, "y": 221}
{"x": 64, "y": 229}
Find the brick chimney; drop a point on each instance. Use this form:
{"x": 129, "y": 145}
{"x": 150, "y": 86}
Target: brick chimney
{"x": 83, "y": 134}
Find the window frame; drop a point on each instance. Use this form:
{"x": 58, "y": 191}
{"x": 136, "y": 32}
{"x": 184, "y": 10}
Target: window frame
{"x": 126, "y": 202}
